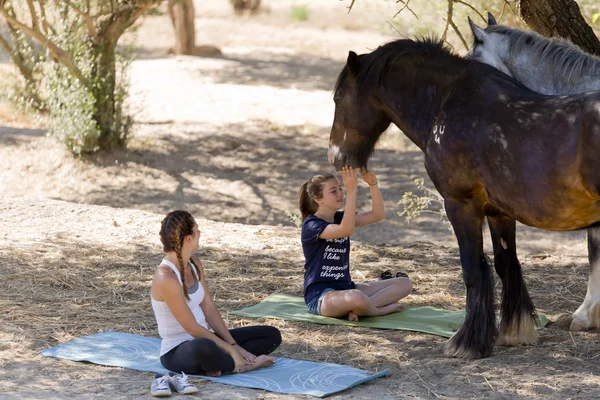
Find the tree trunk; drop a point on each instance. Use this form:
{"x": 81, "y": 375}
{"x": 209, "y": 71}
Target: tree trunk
{"x": 182, "y": 17}
{"x": 103, "y": 84}
{"x": 31, "y": 89}
{"x": 559, "y": 18}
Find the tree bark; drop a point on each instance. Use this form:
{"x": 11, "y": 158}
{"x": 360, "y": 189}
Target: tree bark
{"x": 104, "y": 113}
{"x": 182, "y": 17}
{"x": 559, "y": 18}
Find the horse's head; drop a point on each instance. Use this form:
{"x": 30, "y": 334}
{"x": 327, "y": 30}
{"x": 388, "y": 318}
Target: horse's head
{"x": 359, "y": 118}
{"x": 489, "y": 47}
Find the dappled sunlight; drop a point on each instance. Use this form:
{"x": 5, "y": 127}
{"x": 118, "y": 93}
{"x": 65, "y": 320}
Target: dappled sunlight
{"x": 76, "y": 269}
{"x": 187, "y": 93}
{"x": 231, "y": 138}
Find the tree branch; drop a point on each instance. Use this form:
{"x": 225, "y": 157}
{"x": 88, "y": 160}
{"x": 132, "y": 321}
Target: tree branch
{"x": 449, "y": 18}
{"x": 462, "y": 39}
{"x": 59, "y": 53}
{"x": 34, "y": 17}
{"x": 4, "y": 44}
{"x": 140, "y": 10}
{"x": 350, "y": 6}
{"x": 89, "y": 22}
{"x": 43, "y": 15}
{"x": 472, "y": 8}
{"x": 405, "y": 6}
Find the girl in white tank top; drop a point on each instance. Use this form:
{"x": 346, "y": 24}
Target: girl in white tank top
{"x": 184, "y": 311}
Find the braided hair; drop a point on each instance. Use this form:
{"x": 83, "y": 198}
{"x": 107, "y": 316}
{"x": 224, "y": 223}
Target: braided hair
{"x": 173, "y": 230}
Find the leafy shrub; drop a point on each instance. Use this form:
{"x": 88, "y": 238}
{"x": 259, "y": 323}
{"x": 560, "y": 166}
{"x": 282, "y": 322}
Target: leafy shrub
{"x": 415, "y": 205}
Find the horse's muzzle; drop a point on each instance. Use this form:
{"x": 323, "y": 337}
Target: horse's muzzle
{"x": 332, "y": 154}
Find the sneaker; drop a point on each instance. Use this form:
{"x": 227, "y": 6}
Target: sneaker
{"x": 160, "y": 386}
{"x": 180, "y": 384}
{"x": 387, "y": 274}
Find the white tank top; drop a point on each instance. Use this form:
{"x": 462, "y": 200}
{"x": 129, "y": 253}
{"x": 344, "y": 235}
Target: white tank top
{"x": 170, "y": 331}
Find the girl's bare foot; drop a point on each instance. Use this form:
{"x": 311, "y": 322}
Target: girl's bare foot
{"x": 260, "y": 362}
{"x": 213, "y": 373}
{"x": 392, "y": 308}
{"x": 352, "y": 317}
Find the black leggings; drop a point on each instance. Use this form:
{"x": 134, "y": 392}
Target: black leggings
{"x": 198, "y": 356}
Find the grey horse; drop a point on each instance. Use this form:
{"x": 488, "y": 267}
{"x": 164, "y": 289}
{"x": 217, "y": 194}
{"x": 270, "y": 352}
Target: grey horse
{"x": 546, "y": 65}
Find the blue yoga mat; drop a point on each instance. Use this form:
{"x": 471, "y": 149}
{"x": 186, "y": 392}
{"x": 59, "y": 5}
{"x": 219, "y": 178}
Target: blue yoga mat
{"x": 141, "y": 353}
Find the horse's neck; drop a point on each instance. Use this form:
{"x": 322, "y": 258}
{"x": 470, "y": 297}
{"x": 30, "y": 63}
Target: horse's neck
{"x": 546, "y": 78}
{"x": 414, "y": 118}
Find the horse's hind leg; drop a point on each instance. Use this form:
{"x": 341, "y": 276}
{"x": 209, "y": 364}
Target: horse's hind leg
{"x": 517, "y": 325}
{"x": 475, "y": 338}
{"x": 588, "y": 314}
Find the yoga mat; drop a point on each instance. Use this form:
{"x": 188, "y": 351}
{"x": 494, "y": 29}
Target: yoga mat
{"x": 141, "y": 353}
{"x": 420, "y": 319}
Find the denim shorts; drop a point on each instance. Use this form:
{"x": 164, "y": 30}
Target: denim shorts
{"x": 314, "y": 306}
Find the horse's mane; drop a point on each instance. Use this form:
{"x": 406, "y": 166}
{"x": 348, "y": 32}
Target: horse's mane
{"x": 375, "y": 65}
{"x": 565, "y": 58}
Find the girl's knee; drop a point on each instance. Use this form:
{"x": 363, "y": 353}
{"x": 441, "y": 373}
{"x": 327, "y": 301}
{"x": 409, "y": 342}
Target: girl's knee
{"x": 358, "y": 299}
{"x": 407, "y": 285}
{"x": 274, "y": 335}
{"x": 203, "y": 347}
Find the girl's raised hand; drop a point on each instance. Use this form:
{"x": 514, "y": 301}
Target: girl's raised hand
{"x": 349, "y": 178}
{"x": 369, "y": 178}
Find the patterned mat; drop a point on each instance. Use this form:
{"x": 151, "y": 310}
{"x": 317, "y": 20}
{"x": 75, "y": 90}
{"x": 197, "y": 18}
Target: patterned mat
{"x": 285, "y": 376}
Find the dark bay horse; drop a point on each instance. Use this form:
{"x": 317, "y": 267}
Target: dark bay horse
{"x": 546, "y": 65}
{"x": 494, "y": 149}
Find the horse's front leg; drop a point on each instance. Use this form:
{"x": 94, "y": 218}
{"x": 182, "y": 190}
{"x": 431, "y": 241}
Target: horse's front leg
{"x": 588, "y": 314}
{"x": 517, "y": 325}
{"x": 475, "y": 338}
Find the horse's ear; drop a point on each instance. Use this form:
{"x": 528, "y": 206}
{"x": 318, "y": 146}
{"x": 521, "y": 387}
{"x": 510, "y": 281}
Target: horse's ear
{"x": 491, "y": 19}
{"x": 478, "y": 32}
{"x": 353, "y": 63}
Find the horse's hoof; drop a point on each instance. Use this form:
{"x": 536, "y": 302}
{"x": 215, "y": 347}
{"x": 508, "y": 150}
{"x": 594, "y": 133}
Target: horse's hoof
{"x": 452, "y": 350}
{"x": 522, "y": 333}
{"x": 512, "y": 340}
{"x": 579, "y": 325}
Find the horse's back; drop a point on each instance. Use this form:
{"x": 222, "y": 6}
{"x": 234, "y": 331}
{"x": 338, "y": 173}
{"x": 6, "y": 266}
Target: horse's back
{"x": 535, "y": 155}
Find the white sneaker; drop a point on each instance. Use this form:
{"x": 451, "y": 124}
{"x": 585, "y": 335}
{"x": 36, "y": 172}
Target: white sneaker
{"x": 160, "y": 386}
{"x": 180, "y": 384}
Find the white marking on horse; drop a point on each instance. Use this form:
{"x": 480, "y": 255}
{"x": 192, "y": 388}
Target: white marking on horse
{"x": 503, "y": 141}
{"x": 438, "y": 132}
{"x": 503, "y": 243}
{"x": 332, "y": 153}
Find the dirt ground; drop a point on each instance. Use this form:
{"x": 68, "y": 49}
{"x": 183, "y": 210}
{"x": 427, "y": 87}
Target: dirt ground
{"x": 231, "y": 139}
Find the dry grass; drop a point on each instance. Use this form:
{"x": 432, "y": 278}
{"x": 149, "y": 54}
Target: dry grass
{"x": 65, "y": 277}
{"x": 76, "y": 267}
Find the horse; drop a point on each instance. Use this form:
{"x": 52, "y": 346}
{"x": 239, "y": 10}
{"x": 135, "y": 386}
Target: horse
{"x": 546, "y": 65}
{"x": 493, "y": 149}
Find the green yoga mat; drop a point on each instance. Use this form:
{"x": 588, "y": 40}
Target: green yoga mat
{"x": 420, "y": 319}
